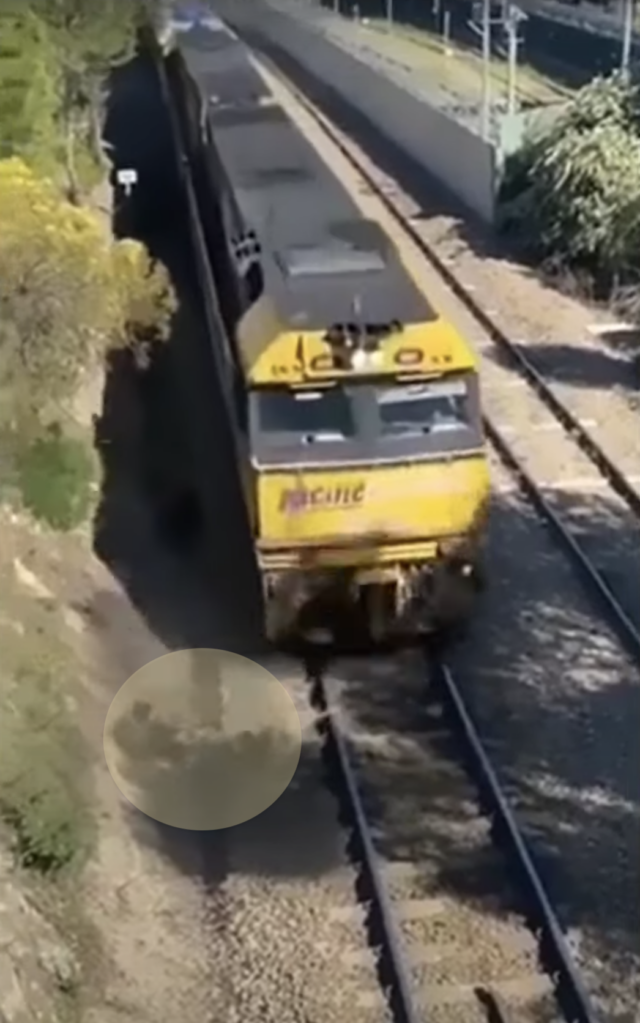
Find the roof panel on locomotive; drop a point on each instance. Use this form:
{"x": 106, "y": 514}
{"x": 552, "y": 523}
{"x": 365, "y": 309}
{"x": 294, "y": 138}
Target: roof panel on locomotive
{"x": 323, "y": 262}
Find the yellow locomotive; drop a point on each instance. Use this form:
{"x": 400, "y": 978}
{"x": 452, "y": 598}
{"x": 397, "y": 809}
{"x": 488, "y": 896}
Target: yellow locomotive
{"x": 358, "y": 408}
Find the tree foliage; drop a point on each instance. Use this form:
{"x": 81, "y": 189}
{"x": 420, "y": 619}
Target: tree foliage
{"x": 68, "y": 292}
{"x": 30, "y": 85}
{"x": 55, "y": 56}
{"x": 89, "y": 39}
{"x": 54, "y": 473}
{"x": 572, "y": 195}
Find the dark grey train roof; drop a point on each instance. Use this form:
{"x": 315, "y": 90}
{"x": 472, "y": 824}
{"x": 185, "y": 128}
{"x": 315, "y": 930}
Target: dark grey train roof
{"x": 323, "y": 262}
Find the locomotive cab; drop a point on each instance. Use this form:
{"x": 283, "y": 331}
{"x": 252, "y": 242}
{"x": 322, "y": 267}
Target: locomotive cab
{"x": 370, "y": 475}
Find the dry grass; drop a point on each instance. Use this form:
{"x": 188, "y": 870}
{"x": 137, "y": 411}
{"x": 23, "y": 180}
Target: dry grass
{"x": 45, "y": 769}
{"x": 460, "y": 69}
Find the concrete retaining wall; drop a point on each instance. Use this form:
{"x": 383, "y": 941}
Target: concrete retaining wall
{"x": 459, "y": 160}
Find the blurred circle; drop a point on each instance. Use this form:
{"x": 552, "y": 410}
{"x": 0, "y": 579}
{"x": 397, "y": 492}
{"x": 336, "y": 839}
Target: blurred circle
{"x": 202, "y": 739}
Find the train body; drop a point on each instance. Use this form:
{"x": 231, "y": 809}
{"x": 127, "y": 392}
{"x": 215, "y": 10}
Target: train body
{"x": 357, "y": 408}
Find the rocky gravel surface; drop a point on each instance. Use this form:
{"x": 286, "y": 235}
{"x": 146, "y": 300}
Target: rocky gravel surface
{"x": 288, "y": 935}
{"x": 558, "y": 703}
{"x": 451, "y": 889}
{"x": 38, "y": 964}
{"x": 580, "y": 350}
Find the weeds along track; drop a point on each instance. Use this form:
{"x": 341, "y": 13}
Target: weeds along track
{"x": 455, "y": 912}
{"x": 549, "y": 453}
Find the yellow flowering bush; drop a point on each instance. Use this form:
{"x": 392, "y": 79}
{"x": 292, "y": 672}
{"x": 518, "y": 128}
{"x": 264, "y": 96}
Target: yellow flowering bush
{"x": 68, "y": 291}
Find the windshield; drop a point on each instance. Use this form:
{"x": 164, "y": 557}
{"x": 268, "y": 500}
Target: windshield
{"x": 306, "y": 416}
{"x": 424, "y": 408}
{"x": 366, "y": 422}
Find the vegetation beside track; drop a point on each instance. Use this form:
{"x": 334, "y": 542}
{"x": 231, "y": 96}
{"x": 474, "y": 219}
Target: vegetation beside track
{"x": 68, "y": 291}
{"x": 571, "y": 196}
{"x": 69, "y": 294}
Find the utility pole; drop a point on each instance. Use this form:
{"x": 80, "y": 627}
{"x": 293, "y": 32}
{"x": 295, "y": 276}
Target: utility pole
{"x": 482, "y": 21}
{"x": 513, "y": 20}
{"x": 512, "y": 93}
{"x": 627, "y": 35}
{"x": 390, "y": 12}
{"x": 446, "y": 33}
{"x": 486, "y": 68}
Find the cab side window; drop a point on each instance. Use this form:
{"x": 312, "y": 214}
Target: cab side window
{"x": 254, "y": 283}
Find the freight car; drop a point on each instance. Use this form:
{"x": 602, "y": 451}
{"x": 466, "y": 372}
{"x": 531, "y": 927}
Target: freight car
{"x": 358, "y": 407}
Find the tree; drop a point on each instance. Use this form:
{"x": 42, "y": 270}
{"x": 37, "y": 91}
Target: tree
{"x": 29, "y": 90}
{"x": 68, "y": 293}
{"x": 572, "y": 195}
{"x": 88, "y": 40}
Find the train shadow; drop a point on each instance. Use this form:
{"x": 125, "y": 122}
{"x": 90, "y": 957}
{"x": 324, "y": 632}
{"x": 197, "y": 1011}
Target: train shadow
{"x": 171, "y": 525}
{"x": 163, "y": 432}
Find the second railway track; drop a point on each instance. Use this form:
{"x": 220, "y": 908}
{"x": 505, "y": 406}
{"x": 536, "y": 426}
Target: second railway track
{"x": 551, "y": 453}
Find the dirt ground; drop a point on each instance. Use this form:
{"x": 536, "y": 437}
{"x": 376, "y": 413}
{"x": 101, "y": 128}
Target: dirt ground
{"x": 70, "y": 638}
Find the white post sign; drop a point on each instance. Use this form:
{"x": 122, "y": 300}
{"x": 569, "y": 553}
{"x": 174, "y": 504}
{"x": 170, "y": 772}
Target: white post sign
{"x": 127, "y": 178}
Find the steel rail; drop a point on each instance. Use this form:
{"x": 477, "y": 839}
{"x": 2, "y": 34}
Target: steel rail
{"x": 571, "y": 993}
{"x": 384, "y": 931}
{"x": 626, "y": 630}
{"x": 582, "y": 436}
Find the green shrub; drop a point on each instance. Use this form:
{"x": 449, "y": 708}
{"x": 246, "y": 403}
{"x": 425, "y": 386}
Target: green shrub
{"x": 572, "y": 195}
{"x": 54, "y": 475}
{"x": 42, "y": 775}
{"x": 46, "y": 827}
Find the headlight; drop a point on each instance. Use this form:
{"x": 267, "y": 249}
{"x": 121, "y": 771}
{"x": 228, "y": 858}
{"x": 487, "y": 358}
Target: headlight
{"x": 457, "y": 548}
{"x": 451, "y": 547}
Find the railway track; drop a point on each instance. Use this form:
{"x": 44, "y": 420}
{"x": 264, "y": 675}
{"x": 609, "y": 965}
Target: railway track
{"x": 458, "y": 924}
{"x": 574, "y": 461}
{"x": 459, "y": 961}
{"x": 497, "y": 954}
